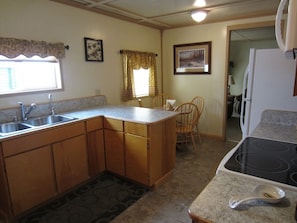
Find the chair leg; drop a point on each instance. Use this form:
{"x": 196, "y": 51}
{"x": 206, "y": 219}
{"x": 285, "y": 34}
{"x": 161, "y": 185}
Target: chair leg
{"x": 198, "y": 134}
{"x": 194, "y": 144}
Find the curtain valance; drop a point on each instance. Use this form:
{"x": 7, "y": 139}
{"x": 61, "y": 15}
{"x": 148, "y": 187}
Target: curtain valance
{"x": 11, "y": 48}
{"x": 139, "y": 60}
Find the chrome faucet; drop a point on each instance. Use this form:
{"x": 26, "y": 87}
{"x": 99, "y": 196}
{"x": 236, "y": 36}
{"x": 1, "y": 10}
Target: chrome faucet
{"x": 24, "y": 112}
{"x": 52, "y": 107}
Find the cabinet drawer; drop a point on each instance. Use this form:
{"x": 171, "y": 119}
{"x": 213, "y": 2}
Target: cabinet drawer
{"x": 94, "y": 124}
{"x": 136, "y": 129}
{"x": 41, "y": 138}
{"x": 113, "y": 124}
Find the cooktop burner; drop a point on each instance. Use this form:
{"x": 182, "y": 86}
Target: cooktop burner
{"x": 272, "y": 160}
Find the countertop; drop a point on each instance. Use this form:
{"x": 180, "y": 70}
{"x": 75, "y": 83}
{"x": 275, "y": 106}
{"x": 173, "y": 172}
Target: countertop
{"x": 276, "y": 132}
{"x": 125, "y": 113}
{"x": 212, "y": 204}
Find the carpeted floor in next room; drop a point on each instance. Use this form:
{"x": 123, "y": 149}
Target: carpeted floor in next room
{"x": 169, "y": 203}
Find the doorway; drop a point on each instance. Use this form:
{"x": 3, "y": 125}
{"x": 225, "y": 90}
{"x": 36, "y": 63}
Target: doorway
{"x": 241, "y": 40}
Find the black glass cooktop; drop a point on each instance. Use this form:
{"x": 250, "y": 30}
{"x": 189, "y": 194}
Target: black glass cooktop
{"x": 272, "y": 160}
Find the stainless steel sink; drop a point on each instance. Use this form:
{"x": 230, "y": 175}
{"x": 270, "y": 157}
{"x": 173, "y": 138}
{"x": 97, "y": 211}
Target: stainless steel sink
{"x": 11, "y": 127}
{"x": 48, "y": 120}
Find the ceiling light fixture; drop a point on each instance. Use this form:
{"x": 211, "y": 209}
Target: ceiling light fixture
{"x": 199, "y": 3}
{"x": 198, "y": 16}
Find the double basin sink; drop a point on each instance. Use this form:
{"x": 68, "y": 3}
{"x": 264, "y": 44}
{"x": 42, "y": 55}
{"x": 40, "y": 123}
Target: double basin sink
{"x": 13, "y": 127}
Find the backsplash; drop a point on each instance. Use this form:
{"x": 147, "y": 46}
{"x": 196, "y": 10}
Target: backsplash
{"x": 7, "y": 115}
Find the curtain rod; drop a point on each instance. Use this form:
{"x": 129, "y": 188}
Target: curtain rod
{"x": 121, "y": 51}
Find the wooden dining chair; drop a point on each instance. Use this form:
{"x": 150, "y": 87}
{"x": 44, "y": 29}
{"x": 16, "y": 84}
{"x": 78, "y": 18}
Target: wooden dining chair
{"x": 199, "y": 102}
{"x": 160, "y": 100}
{"x": 186, "y": 120}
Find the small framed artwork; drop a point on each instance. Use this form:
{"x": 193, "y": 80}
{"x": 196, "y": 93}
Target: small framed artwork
{"x": 93, "y": 50}
{"x": 192, "y": 58}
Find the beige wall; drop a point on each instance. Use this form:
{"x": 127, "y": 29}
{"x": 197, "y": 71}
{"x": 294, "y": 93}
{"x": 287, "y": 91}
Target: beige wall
{"x": 53, "y": 22}
{"x": 211, "y": 87}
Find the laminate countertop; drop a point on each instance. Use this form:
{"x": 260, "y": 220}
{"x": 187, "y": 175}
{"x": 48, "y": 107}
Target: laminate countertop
{"x": 212, "y": 204}
{"x": 126, "y": 113}
{"x": 139, "y": 115}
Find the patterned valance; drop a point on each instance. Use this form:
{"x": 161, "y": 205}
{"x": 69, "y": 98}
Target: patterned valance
{"x": 12, "y": 48}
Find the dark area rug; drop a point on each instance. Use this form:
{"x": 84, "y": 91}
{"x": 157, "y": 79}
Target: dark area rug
{"x": 99, "y": 201}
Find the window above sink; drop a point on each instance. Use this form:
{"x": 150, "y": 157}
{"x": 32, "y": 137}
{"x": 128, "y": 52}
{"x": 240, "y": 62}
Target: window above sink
{"x": 22, "y": 74}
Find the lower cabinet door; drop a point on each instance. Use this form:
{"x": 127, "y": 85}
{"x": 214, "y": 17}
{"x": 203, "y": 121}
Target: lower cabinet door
{"x": 31, "y": 178}
{"x": 71, "y": 162}
{"x": 96, "y": 153}
{"x": 136, "y": 158}
{"x": 114, "y": 151}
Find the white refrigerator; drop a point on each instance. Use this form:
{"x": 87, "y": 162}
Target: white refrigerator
{"x": 268, "y": 84}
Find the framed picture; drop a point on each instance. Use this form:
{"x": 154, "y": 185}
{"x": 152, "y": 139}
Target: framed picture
{"x": 192, "y": 58}
{"x": 93, "y": 50}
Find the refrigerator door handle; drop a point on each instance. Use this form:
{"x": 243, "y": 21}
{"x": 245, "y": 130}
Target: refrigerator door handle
{"x": 244, "y": 101}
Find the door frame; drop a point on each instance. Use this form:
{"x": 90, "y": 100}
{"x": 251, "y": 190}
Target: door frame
{"x": 228, "y": 36}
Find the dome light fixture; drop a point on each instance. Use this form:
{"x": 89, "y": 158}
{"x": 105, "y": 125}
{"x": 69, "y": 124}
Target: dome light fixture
{"x": 199, "y": 16}
{"x": 199, "y": 3}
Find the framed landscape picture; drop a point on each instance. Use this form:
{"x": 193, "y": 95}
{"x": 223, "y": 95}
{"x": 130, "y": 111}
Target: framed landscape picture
{"x": 192, "y": 58}
{"x": 93, "y": 50}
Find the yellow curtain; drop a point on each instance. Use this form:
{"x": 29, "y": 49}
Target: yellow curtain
{"x": 12, "y": 48}
{"x": 135, "y": 60}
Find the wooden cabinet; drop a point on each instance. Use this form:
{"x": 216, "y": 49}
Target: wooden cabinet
{"x": 136, "y": 158}
{"x": 114, "y": 146}
{"x": 31, "y": 178}
{"x": 149, "y": 150}
{"x": 71, "y": 162}
{"x": 144, "y": 153}
{"x": 137, "y": 152}
{"x": 95, "y": 144}
{"x": 38, "y": 165}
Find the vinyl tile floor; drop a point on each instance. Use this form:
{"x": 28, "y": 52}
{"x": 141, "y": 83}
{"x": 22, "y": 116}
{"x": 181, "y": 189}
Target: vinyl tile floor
{"x": 233, "y": 131}
{"x": 169, "y": 202}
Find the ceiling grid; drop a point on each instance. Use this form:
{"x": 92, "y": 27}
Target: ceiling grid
{"x": 164, "y": 14}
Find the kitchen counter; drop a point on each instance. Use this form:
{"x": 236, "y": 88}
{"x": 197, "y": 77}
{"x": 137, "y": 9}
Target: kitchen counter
{"x": 212, "y": 205}
{"x": 125, "y": 113}
{"x": 276, "y": 132}
{"x": 277, "y": 125}
{"x": 136, "y": 143}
